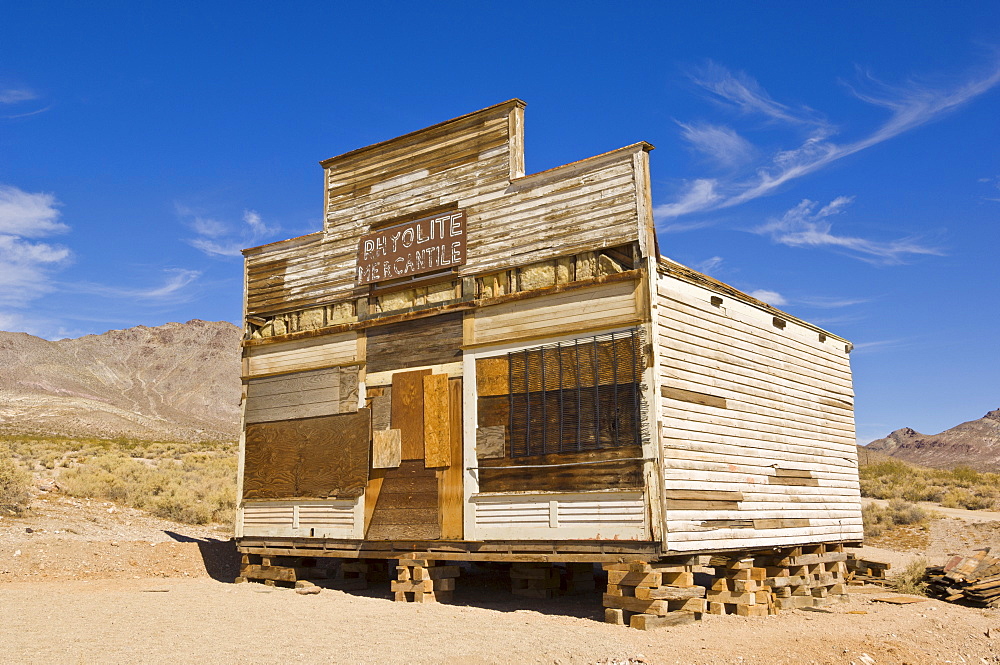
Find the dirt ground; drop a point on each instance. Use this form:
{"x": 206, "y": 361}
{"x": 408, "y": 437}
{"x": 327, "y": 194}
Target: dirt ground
{"x": 90, "y": 582}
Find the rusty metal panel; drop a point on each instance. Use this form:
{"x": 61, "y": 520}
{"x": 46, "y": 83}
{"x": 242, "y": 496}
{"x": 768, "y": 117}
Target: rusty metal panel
{"x": 412, "y": 248}
{"x": 310, "y": 458}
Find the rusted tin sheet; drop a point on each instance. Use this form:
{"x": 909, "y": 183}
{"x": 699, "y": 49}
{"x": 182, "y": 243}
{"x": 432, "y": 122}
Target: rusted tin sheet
{"x": 412, "y": 248}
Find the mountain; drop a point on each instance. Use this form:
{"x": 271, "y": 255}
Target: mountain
{"x": 178, "y": 381}
{"x": 975, "y": 443}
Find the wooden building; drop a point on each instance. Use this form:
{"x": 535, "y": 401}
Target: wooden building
{"x": 471, "y": 363}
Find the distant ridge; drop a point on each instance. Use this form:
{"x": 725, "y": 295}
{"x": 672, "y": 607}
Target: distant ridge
{"x": 178, "y": 381}
{"x": 975, "y": 443}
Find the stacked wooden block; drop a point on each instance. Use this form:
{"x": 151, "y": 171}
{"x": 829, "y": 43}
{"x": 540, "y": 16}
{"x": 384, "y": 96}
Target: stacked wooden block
{"x": 763, "y": 584}
{"x": 863, "y": 571}
{"x": 807, "y": 576}
{"x": 578, "y": 578}
{"x": 650, "y": 595}
{"x": 423, "y": 581}
{"x": 534, "y": 580}
{"x": 266, "y": 569}
{"x": 740, "y": 588}
{"x": 357, "y": 575}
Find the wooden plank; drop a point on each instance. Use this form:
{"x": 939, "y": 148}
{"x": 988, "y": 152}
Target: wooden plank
{"x": 492, "y": 376}
{"x": 450, "y": 485}
{"x": 386, "y": 449}
{"x": 703, "y": 495}
{"x": 433, "y": 340}
{"x": 408, "y": 411}
{"x": 349, "y": 388}
{"x": 606, "y": 474}
{"x": 325, "y": 351}
{"x": 407, "y": 507}
{"x": 375, "y": 479}
{"x": 691, "y": 396}
{"x": 381, "y": 406}
{"x": 493, "y": 411}
{"x": 315, "y": 458}
{"x": 437, "y": 428}
{"x": 290, "y": 396}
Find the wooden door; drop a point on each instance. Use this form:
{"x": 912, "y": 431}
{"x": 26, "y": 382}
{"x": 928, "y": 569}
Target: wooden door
{"x": 422, "y": 498}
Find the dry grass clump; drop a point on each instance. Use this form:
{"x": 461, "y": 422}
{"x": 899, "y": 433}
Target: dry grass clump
{"x": 15, "y": 484}
{"x": 878, "y": 519}
{"x": 911, "y": 579}
{"x": 961, "y": 487}
{"x": 185, "y": 482}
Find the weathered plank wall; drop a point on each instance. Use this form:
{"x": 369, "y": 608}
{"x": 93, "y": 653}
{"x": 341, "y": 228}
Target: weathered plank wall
{"x": 472, "y": 163}
{"x": 572, "y": 313}
{"x": 756, "y": 425}
{"x": 599, "y": 515}
{"x": 325, "y": 351}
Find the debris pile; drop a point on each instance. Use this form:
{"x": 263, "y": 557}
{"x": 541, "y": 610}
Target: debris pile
{"x": 973, "y": 579}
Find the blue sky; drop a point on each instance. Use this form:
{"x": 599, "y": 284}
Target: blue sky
{"x": 839, "y": 161}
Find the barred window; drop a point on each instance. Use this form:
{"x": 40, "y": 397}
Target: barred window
{"x": 576, "y": 396}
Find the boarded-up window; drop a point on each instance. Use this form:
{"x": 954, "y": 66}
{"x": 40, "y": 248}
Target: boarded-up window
{"x": 575, "y": 396}
{"x": 308, "y": 458}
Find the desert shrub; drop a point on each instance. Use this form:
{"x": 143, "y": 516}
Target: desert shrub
{"x": 961, "y": 487}
{"x": 188, "y": 483}
{"x": 877, "y": 519}
{"x": 911, "y": 579}
{"x": 15, "y": 484}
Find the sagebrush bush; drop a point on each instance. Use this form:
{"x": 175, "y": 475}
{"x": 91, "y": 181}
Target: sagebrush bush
{"x": 15, "y": 484}
{"x": 183, "y": 481}
{"x": 961, "y": 487}
{"x": 877, "y": 519}
{"x": 911, "y": 579}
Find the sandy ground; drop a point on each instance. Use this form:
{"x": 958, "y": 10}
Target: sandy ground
{"x": 100, "y": 584}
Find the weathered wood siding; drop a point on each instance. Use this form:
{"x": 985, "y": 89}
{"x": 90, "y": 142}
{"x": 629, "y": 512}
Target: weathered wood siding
{"x": 756, "y": 423}
{"x": 314, "y": 353}
{"x": 310, "y": 519}
{"x": 572, "y": 313}
{"x": 473, "y": 163}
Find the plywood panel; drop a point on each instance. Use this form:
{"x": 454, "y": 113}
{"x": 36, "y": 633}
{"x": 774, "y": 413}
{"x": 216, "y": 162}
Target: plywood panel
{"x": 314, "y": 458}
{"x": 434, "y": 340}
{"x": 386, "y": 449}
{"x": 437, "y": 430}
{"x": 451, "y": 479}
{"x": 408, "y": 411}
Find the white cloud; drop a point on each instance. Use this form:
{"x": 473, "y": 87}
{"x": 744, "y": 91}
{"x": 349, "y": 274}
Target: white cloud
{"x": 709, "y": 264}
{"x": 719, "y": 143}
{"x": 217, "y": 238}
{"x": 26, "y": 265}
{"x": 13, "y": 96}
{"x": 830, "y": 302}
{"x": 698, "y": 195}
{"x": 805, "y": 226}
{"x": 29, "y": 215}
{"x": 770, "y": 297}
{"x": 170, "y": 290}
{"x": 911, "y": 105}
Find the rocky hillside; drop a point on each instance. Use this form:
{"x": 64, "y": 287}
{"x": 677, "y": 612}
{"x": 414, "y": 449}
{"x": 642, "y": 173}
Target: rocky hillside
{"x": 179, "y": 381}
{"x": 975, "y": 443}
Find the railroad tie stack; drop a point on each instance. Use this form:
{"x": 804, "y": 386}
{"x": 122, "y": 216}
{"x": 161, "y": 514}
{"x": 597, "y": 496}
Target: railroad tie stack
{"x": 973, "y": 579}
{"x": 805, "y": 576}
{"x": 578, "y": 578}
{"x": 423, "y": 581}
{"x": 651, "y": 595}
{"x": 863, "y": 571}
{"x": 740, "y": 588}
{"x": 266, "y": 569}
{"x": 534, "y": 580}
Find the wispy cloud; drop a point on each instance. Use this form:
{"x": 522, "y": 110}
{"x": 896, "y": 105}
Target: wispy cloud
{"x": 742, "y": 92}
{"x": 995, "y": 184}
{"x": 878, "y": 345}
{"x": 721, "y": 144}
{"x": 171, "y": 290}
{"x": 26, "y": 266}
{"x": 806, "y": 225}
{"x": 219, "y": 238}
{"x": 16, "y": 95}
{"x": 709, "y": 264}
{"x": 910, "y": 105}
{"x": 770, "y": 297}
{"x": 831, "y": 302}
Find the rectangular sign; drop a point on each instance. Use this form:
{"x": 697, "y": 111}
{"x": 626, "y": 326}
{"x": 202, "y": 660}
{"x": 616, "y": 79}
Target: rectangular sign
{"x": 412, "y": 248}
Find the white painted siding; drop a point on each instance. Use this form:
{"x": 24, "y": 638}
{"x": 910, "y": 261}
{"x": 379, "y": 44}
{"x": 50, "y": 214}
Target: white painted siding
{"x": 303, "y": 519}
{"x": 557, "y": 516}
{"x": 753, "y": 409}
{"x": 319, "y": 352}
